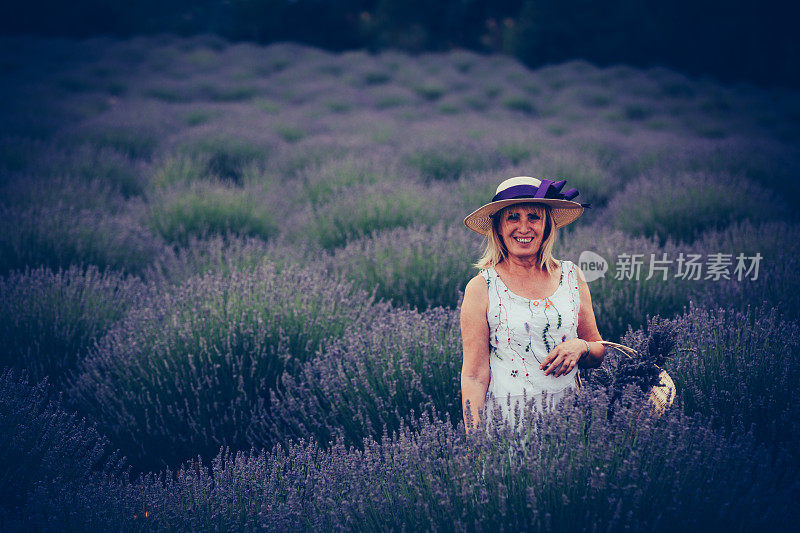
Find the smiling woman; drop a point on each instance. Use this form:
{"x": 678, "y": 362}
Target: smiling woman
{"x": 527, "y": 322}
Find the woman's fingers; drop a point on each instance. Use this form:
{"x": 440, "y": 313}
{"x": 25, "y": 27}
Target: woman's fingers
{"x": 547, "y": 360}
{"x": 559, "y": 362}
{"x": 555, "y": 359}
{"x": 566, "y": 368}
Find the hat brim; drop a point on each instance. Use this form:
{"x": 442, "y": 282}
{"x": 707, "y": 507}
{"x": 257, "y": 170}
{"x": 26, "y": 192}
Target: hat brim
{"x": 563, "y": 211}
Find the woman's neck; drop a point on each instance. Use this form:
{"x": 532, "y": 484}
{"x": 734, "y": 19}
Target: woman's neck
{"x": 522, "y": 266}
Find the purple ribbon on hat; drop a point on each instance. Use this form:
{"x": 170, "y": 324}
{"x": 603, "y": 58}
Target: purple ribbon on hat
{"x": 546, "y": 190}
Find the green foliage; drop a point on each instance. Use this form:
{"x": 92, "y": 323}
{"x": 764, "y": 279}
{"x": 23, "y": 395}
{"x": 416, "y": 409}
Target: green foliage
{"x": 109, "y": 167}
{"x": 209, "y": 209}
{"x": 429, "y": 91}
{"x": 323, "y": 183}
{"x": 266, "y": 105}
{"x": 289, "y": 133}
{"x": 226, "y": 156}
{"x": 682, "y": 206}
{"x": 516, "y": 152}
{"x": 338, "y": 107}
{"x": 376, "y": 78}
{"x": 476, "y": 103}
{"x": 197, "y": 117}
{"x": 597, "y": 99}
{"x": 167, "y": 94}
{"x": 134, "y": 142}
{"x": 586, "y": 172}
{"x": 223, "y": 255}
{"x": 420, "y": 267}
{"x": 228, "y": 93}
{"x": 60, "y": 236}
{"x": 636, "y": 112}
{"x": 181, "y": 170}
{"x": 446, "y": 162}
{"x": 362, "y": 211}
{"x": 391, "y": 100}
{"x": 520, "y": 103}
{"x": 49, "y": 320}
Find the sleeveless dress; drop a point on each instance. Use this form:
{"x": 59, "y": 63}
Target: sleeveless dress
{"x": 522, "y": 332}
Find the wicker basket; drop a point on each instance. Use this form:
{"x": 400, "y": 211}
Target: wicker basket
{"x": 661, "y": 395}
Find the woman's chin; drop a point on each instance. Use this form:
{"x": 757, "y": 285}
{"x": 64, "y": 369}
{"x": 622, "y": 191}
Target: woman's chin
{"x": 524, "y": 253}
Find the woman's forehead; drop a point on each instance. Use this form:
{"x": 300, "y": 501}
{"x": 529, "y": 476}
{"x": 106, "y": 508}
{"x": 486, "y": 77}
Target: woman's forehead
{"x": 524, "y": 208}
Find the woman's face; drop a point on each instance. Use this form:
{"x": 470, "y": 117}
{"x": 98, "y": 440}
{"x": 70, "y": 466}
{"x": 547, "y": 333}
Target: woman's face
{"x": 522, "y": 229}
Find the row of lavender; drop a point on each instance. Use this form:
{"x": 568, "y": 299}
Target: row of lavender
{"x": 260, "y": 248}
{"x": 726, "y": 458}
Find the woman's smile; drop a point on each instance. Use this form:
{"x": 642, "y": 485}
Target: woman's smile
{"x": 521, "y": 228}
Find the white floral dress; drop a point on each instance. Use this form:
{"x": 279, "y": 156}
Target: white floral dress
{"x": 522, "y": 332}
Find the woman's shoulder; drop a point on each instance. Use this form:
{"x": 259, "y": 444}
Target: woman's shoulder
{"x": 478, "y": 282}
{"x": 476, "y": 295}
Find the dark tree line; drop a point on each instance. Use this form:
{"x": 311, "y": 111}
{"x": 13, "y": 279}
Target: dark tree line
{"x": 733, "y": 40}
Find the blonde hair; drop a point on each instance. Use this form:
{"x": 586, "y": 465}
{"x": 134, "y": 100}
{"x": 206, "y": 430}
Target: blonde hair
{"x": 496, "y": 251}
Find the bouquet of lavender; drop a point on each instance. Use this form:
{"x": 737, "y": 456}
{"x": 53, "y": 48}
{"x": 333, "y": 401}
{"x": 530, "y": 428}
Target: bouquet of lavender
{"x": 641, "y": 367}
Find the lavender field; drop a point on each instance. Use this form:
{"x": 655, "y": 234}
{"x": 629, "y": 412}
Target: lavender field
{"x": 230, "y": 277}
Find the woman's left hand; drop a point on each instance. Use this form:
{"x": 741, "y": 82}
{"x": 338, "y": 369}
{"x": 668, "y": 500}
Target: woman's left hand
{"x": 563, "y": 358}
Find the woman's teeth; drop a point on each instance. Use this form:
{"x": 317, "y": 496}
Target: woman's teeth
{"x": 523, "y": 240}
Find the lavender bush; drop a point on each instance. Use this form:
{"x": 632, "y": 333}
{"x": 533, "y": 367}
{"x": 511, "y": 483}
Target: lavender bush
{"x": 359, "y": 212}
{"x": 47, "y": 458}
{"x": 223, "y": 254}
{"x": 188, "y": 369}
{"x": 209, "y": 209}
{"x": 575, "y": 470}
{"x": 60, "y": 236}
{"x": 133, "y": 142}
{"x": 371, "y": 382}
{"x": 115, "y": 170}
{"x": 324, "y": 182}
{"x": 739, "y": 368}
{"x": 49, "y": 320}
{"x": 777, "y": 281}
{"x": 447, "y": 162}
{"x": 176, "y": 171}
{"x": 683, "y": 206}
{"x": 225, "y": 156}
{"x": 776, "y": 287}
{"x": 420, "y": 267}
{"x": 39, "y": 192}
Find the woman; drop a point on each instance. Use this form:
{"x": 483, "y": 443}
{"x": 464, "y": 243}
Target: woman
{"x": 527, "y": 322}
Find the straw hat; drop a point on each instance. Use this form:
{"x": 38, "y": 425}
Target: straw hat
{"x": 528, "y": 190}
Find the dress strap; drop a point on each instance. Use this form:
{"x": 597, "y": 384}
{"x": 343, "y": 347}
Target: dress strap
{"x": 572, "y": 281}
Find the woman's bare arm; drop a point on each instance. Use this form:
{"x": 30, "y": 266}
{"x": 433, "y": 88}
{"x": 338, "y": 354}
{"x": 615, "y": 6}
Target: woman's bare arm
{"x": 475, "y": 370}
